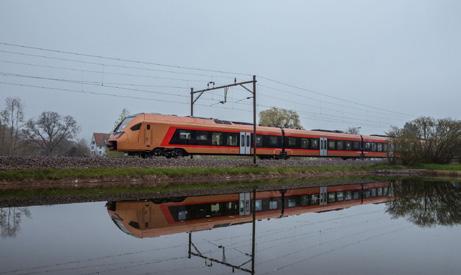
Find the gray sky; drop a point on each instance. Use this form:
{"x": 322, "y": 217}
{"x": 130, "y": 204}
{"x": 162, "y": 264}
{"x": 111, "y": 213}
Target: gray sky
{"x": 397, "y": 55}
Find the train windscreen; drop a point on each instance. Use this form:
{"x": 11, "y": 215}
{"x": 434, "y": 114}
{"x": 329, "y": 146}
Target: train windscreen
{"x": 123, "y": 124}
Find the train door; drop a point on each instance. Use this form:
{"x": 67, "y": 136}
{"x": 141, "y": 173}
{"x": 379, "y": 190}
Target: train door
{"x": 323, "y": 198}
{"x": 245, "y": 143}
{"x": 323, "y": 147}
{"x": 147, "y": 136}
{"x": 244, "y": 204}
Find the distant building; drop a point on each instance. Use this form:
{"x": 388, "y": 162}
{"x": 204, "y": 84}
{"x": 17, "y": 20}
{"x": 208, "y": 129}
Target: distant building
{"x": 98, "y": 144}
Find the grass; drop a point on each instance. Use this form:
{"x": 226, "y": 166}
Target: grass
{"x": 426, "y": 166}
{"x": 86, "y": 173}
{"x": 434, "y": 166}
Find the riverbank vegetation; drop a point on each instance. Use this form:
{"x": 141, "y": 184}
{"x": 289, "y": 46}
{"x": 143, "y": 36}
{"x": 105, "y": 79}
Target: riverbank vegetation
{"x": 427, "y": 140}
{"x": 101, "y": 172}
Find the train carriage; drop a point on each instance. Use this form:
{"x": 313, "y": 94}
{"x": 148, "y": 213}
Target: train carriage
{"x": 172, "y": 136}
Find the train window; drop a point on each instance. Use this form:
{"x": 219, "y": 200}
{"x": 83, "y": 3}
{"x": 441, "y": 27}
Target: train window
{"x": 292, "y": 142}
{"x": 273, "y": 141}
{"x": 385, "y": 147}
{"x": 331, "y": 145}
{"x": 201, "y": 136}
{"x": 248, "y": 141}
{"x": 273, "y": 204}
{"x": 291, "y": 203}
{"x": 385, "y": 190}
{"x": 217, "y": 139}
{"x": 348, "y": 145}
{"x": 379, "y": 192}
{"x": 315, "y": 199}
{"x": 148, "y": 126}
{"x": 331, "y": 197}
{"x": 373, "y": 192}
{"x": 373, "y": 147}
{"x": 305, "y": 200}
{"x": 305, "y": 143}
{"x": 356, "y": 145}
{"x": 356, "y": 195}
{"x": 368, "y": 146}
{"x": 348, "y": 195}
{"x": 136, "y": 127}
{"x": 259, "y": 141}
{"x": 314, "y": 143}
{"x": 182, "y": 215}
{"x": 339, "y": 196}
{"x": 366, "y": 193}
{"x": 380, "y": 147}
{"x": 214, "y": 208}
{"x": 184, "y": 135}
{"x": 232, "y": 140}
{"x": 340, "y": 145}
{"x": 259, "y": 205}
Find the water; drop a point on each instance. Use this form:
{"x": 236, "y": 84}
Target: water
{"x": 399, "y": 227}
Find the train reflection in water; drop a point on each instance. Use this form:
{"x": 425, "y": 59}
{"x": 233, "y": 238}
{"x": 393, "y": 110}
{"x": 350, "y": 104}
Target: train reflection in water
{"x": 157, "y": 217}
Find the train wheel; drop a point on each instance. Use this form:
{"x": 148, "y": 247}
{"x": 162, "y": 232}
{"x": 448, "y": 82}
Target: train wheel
{"x": 157, "y": 152}
{"x": 179, "y": 152}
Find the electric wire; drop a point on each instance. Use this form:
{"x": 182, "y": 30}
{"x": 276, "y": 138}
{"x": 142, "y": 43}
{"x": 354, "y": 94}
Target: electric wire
{"x": 121, "y": 59}
{"x": 333, "y": 97}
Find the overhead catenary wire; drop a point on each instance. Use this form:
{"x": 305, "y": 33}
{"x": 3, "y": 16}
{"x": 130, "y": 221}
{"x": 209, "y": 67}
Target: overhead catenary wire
{"x": 369, "y": 109}
{"x": 99, "y": 71}
{"x": 108, "y": 84}
{"x": 321, "y": 101}
{"x": 122, "y": 59}
{"x": 88, "y": 92}
{"x": 333, "y": 97}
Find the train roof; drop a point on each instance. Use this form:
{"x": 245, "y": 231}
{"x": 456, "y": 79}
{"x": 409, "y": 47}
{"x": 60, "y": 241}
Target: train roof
{"x": 244, "y": 126}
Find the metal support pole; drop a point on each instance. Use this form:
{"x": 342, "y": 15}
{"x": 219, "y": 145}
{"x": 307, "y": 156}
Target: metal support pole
{"x": 190, "y": 245}
{"x": 253, "y": 239}
{"x": 191, "y": 102}
{"x": 283, "y": 202}
{"x": 191, "y": 108}
{"x": 254, "y": 119}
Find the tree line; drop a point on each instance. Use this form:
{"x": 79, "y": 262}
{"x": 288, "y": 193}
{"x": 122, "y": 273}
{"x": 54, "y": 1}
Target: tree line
{"x": 49, "y": 134}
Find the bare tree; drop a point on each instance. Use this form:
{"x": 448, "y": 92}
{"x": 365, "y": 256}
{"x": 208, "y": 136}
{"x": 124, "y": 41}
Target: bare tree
{"x": 11, "y": 119}
{"x": 10, "y": 220}
{"x": 278, "y": 117}
{"x": 50, "y": 130}
{"x": 3, "y": 131}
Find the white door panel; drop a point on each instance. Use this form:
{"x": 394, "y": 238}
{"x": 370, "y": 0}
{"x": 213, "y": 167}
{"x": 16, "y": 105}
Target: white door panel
{"x": 245, "y": 143}
{"x": 323, "y": 147}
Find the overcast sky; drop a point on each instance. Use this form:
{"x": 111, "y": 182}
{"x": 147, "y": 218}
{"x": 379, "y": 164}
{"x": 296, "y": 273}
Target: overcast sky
{"x": 400, "y": 56}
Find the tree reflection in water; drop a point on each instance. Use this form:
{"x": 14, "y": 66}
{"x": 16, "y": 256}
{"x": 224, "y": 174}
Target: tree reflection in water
{"x": 10, "y": 220}
{"x": 426, "y": 203}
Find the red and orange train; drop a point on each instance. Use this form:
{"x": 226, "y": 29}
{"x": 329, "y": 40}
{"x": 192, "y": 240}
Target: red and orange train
{"x": 172, "y": 136}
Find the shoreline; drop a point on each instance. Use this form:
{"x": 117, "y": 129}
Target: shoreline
{"x": 152, "y": 177}
{"x": 47, "y": 179}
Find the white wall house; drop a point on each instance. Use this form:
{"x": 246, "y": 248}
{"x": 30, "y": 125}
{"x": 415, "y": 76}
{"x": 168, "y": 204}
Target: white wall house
{"x": 98, "y": 144}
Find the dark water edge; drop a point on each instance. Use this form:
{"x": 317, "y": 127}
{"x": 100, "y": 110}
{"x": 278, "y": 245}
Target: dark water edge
{"x": 31, "y": 197}
{"x": 345, "y": 226}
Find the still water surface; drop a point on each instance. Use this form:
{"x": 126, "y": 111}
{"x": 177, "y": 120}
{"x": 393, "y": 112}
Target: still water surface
{"x": 399, "y": 227}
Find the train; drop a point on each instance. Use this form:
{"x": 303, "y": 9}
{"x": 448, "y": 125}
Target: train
{"x": 159, "y": 217}
{"x": 148, "y": 135}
